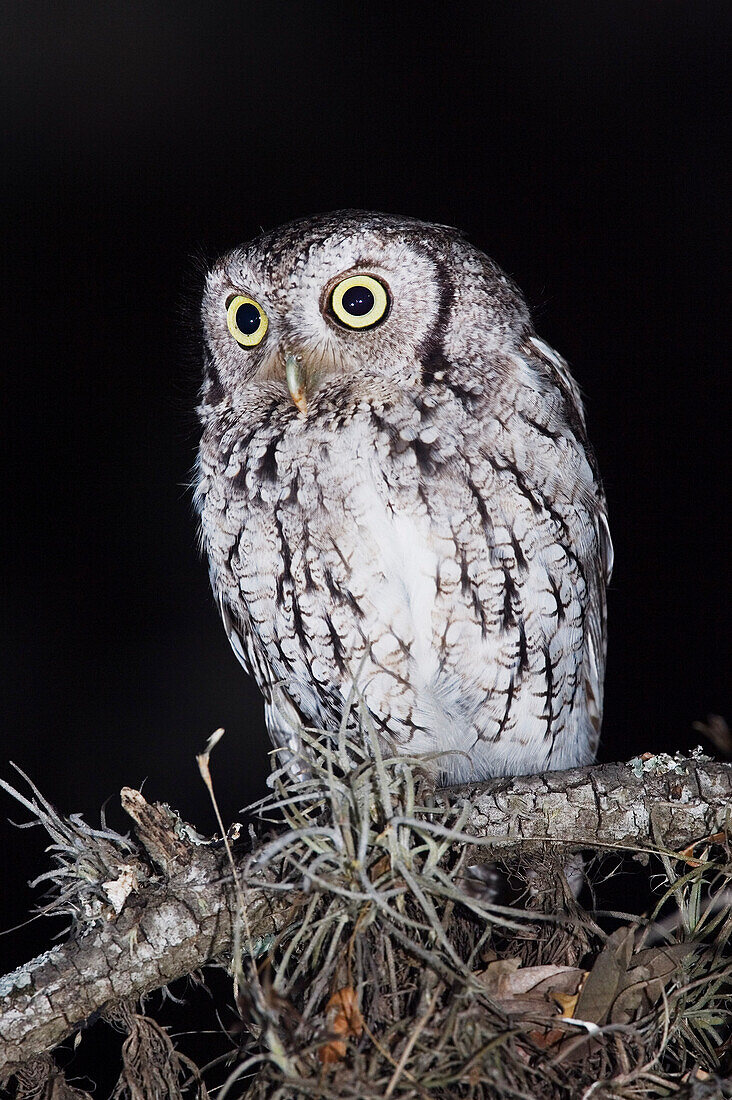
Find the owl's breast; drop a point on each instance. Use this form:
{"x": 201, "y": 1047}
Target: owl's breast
{"x": 431, "y": 578}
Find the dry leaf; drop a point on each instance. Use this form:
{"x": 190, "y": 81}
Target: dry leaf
{"x": 606, "y": 977}
{"x": 548, "y": 1037}
{"x": 567, "y": 1002}
{"x": 645, "y": 981}
{"x": 120, "y": 888}
{"x": 344, "y": 1021}
{"x": 687, "y": 854}
{"x": 716, "y": 730}
{"x": 530, "y": 990}
{"x": 379, "y": 868}
{"x": 496, "y": 974}
{"x": 623, "y": 986}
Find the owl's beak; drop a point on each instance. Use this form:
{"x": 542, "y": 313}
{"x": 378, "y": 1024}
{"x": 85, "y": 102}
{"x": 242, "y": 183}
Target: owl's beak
{"x": 295, "y": 376}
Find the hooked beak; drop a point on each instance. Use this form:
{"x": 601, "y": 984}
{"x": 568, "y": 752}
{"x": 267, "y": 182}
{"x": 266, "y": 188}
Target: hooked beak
{"x": 295, "y": 377}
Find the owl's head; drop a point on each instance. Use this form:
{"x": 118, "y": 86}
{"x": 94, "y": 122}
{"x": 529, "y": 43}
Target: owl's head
{"x": 366, "y": 300}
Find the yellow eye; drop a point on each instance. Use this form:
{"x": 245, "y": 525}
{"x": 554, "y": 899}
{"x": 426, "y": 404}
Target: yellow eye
{"x": 247, "y": 321}
{"x": 360, "y": 302}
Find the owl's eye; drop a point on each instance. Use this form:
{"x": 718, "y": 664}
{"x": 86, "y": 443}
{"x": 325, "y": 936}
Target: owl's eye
{"x": 246, "y": 320}
{"x": 359, "y": 302}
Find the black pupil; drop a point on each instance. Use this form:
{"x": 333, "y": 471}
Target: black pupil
{"x": 358, "y": 301}
{"x": 247, "y": 319}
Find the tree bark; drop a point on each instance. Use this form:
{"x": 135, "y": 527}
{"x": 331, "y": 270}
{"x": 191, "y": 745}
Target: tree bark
{"x": 184, "y": 917}
{"x": 169, "y": 928}
{"x": 611, "y": 805}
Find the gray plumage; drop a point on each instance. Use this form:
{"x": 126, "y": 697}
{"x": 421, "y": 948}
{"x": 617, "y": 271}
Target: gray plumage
{"x": 427, "y": 517}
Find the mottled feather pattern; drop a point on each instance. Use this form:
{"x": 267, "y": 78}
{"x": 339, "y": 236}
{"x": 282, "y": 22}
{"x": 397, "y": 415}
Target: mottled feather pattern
{"x": 433, "y": 525}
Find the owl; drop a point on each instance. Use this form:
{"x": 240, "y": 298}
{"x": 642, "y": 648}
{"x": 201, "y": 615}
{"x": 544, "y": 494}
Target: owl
{"x": 397, "y": 496}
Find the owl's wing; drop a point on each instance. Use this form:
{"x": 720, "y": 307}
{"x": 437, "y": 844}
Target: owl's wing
{"x": 565, "y": 383}
{"x": 596, "y": 648}
{"x": 236, "y": 636}
{"x": 282, "y": 718}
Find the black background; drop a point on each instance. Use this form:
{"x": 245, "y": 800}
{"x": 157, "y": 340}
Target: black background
{"x": 579, "y": 144}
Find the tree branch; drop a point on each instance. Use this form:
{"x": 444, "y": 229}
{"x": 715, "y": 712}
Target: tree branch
{"x": 662, "y": 802}
{"x": 175, "y": 923}
{"x": 167, "y": 920}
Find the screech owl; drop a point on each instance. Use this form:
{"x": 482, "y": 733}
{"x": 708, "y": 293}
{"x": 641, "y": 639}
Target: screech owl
{"x": 395, "y": 484}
